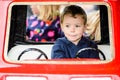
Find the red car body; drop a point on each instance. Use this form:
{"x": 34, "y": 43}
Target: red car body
{"x": 56, "y": 71}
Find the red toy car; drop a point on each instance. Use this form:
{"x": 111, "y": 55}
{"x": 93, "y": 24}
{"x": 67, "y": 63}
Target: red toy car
{"x": 25, "y": 55}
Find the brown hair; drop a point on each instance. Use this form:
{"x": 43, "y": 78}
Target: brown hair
{"x": 74, "y": 10}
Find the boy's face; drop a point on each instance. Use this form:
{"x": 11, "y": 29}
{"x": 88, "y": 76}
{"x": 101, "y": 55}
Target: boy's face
{"x": 73, "y": 27}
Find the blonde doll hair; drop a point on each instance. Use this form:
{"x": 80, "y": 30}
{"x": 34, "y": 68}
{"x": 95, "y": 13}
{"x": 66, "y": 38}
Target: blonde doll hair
{"x": 48, "y": 12}
{"x": 93, "y": 26}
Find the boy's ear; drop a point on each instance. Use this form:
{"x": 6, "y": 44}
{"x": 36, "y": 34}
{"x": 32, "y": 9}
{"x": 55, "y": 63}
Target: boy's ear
{"x": 85, "y": 26}
{"x": 61, "y": 26}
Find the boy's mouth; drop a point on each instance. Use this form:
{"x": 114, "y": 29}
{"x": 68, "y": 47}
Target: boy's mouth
{"x": 72, "y": 36}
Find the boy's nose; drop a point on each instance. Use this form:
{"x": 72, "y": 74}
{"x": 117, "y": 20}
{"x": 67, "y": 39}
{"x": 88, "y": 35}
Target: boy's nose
{"x": 72, "y": 29}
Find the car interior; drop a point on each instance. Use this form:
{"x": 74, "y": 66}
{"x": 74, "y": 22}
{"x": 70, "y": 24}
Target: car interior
{"x": 20, "y": 48}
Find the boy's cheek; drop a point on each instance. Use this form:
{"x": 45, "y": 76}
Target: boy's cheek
{"x": 62, "y": 27}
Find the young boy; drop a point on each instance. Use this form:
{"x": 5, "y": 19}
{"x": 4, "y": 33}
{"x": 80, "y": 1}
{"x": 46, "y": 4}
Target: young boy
{"x": 73, "y": 24}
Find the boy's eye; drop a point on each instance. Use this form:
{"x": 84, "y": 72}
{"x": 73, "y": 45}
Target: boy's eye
{"x": 77, "y": 25}
{"x": 67, "y": 25}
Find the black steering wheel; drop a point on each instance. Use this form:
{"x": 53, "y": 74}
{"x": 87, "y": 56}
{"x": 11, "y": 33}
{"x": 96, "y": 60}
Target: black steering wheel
{"x": 93, "y": 49}
{"x": 33, "y": 49}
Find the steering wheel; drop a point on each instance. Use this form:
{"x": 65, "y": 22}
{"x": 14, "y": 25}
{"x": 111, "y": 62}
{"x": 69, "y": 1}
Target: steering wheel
{"x": 33, "y": 49}
{"x": 93, "y": 49}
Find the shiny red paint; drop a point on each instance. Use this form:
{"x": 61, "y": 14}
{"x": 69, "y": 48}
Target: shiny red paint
{"x": 111, "y": 68}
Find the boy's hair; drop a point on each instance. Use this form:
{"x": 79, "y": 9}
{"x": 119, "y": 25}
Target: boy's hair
{"x": 74, "y": 10}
